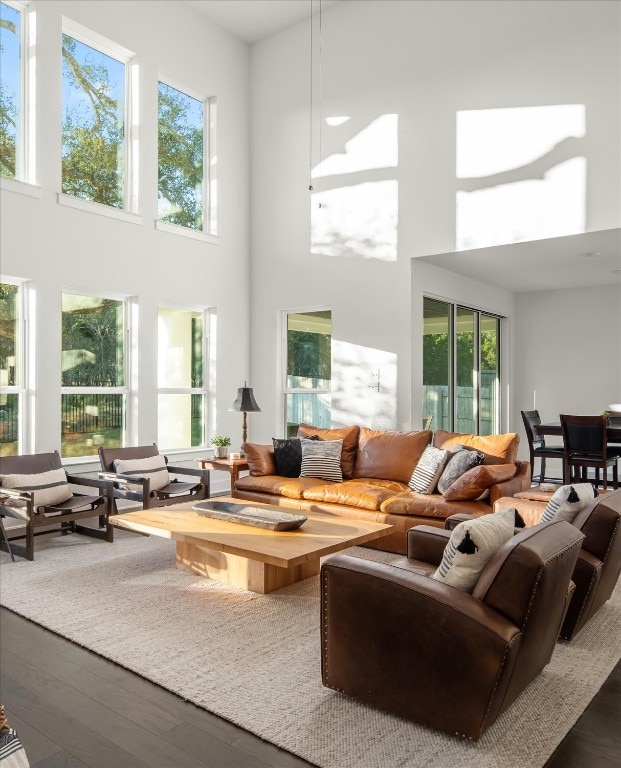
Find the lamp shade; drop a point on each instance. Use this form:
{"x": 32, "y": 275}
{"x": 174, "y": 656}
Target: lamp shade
{"x": 245, "y": 402}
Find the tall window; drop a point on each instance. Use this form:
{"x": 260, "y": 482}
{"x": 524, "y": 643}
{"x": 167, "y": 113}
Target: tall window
{"x": 94, "y": 359}
{"x": 461, "y": 368}
{"x": 182, "y": 376}
{"x": 184, "y": 190}
{"x": 11, "y": 89}
{"x": 12, "y": 374}
{"x": 308, "y": 378}
{"x": 94, "y": 155}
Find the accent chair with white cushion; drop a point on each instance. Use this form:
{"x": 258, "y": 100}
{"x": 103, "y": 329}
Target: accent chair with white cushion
{"x": 141, "y": 473}
{"x": 36, "y": 489}
{"x": 399, "y": 640}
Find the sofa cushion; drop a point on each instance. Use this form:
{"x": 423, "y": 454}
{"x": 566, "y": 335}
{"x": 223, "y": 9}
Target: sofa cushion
{"x": 287, "y": 456}
{"x": 428, "y": 470}
{"x": 354, "y": 493}
{"x": 471, "y": 546}
{"x": 389, "y": 455}
{"x": 322, "y": 458}
{"x": 476, "y": 481}
{"x": 497, "y": 449}
{"x": 152, "y": 467}
{"x": 260, "y": 459}
{"x": 430, "y": 505}
{"x": 289, "y": 487}
{"x": 349, "y": 436}
{"x": 47, "y": 488}
{"x": 458, "y": 464}
{"x": 567, "y": 501}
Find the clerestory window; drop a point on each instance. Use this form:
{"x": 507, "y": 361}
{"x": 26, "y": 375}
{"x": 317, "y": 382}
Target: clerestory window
{"x": 13, "y": 92}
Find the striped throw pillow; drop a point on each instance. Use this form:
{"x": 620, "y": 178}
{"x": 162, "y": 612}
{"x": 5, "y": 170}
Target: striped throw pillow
{"x": 48, "y": 488}
{"x": 429, "y": 468}
{"x": 153, "y": 467}
{"x": 567, "y": 501}
{"x": 322, "y": 459}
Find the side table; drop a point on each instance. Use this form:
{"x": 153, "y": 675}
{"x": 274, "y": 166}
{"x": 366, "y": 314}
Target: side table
{"x": 226, "y": 465}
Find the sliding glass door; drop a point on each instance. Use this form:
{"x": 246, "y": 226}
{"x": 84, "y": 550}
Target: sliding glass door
{"x": 461, "y": 368}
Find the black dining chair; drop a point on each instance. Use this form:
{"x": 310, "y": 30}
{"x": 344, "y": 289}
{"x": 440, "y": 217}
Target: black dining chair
{"x": 586, "y": 446}
{"x": 538, "y": 448}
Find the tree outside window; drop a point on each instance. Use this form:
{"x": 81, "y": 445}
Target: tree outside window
{"x": 10, "y": 90}
{"x": 11, "y": 355}
{"x": 181, "y": 152}
{"x": 93, "y": 124}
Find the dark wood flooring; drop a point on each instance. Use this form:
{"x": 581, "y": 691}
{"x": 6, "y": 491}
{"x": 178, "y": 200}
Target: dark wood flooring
{"x": 73, "y": 708}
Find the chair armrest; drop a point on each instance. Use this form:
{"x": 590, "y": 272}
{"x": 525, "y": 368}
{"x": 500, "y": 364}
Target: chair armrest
{"x": 187, "y": 471}
{"x": 103, "y": 485}
{"x": 427, "y": 543}
{"x": 11, "y": 493}
{"x": 519, "y": 482}
{"x": 121, "y": 482}
{"x": 459, "y": 517}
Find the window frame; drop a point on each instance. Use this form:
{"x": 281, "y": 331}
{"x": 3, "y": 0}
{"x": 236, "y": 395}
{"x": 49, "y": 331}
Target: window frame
{"x": 209, "y": 232}
{"x": 126, "y": 389}
{"x": 286, "y": 390}
{"x": 22, "y": 352}
{"x": 454, "y": 307}
{"x": 128, "y": 58}
{"x": 205, "y": 390}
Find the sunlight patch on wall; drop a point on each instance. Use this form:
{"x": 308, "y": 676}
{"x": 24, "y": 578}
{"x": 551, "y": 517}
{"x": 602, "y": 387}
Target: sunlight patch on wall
{"x": 521, "y": 174}
{"x": 354, "y": 203}
{"x": 364, "y": 386}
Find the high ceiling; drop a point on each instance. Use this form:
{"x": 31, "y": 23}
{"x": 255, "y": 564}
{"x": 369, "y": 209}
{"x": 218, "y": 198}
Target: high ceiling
{"x": 253, "y": 20}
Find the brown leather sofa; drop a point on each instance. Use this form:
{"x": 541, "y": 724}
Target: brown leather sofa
{"x": 398, "y": 640}
{"x": 376, "y": 467}
{"x": 599, "y": 562}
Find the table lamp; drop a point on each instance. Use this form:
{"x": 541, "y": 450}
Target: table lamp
{"x": 245, "y": 403}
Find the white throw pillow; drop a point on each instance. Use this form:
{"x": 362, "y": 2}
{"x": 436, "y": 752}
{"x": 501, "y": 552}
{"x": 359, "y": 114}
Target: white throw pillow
{"x": 567, "y": 501}
{"x": 153, "y": 467}
{"x": 322, "y": 459}
{"x": 429, "y": 468}
{"x": 471, "y": 547}
{"x": 48, "y": 488}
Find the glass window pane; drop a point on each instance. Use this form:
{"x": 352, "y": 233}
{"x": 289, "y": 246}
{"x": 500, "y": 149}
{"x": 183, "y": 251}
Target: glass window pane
{"x": 9, "y": 336}
{"x": 180, "y": 420}
{"x": 490, "y": 374}
{"x": 93, "y": 124}
{"x": 437, "y": 363}
{"x": 466, "y": 370}
{"x": 303, "y": 408}
{"x": 9, "y": 424}
{"x": 180, "y": 158}
{"x": 92, "y": 342}
{"x": 309, "y": 349}
{"x": 10, "y": 90}
{"x": 91, "y": 421}
{"x": 180, "y": 348}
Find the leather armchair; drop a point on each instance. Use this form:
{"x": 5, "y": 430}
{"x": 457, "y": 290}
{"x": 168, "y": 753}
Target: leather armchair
{"x": 599, "y": 562}
{"x": 403, "y": 642}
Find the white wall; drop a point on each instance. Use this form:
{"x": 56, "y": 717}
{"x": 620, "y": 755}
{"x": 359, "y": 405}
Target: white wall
{"x": 567, "y": 353}
{"x": 423, "y": 62}
{"x": 58, "y": 247}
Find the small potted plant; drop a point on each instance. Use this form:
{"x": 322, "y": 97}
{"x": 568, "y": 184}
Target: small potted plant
{"x": 220, "y": 446}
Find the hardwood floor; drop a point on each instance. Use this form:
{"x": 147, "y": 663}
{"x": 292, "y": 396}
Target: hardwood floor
{"x": 74, "y": 709}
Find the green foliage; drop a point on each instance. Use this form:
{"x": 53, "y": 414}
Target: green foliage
{"x": 436, "y": 357}
{"x": 309, "y": 355}
{"x": 8, "y": 317}
{"x": 220, "y": 440}
{"x": 8, "y": 122}
{"x": 98, "y": 331}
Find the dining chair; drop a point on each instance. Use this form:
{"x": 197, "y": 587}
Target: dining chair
{"x": 537, "y": 446}
{"x": 586, "y": 446}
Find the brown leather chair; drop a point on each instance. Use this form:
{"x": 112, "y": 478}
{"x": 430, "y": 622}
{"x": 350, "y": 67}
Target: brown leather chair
{"x": 59, "y": 517}
{"x": 401, "y": 641}
{"x": 599, "y": 562}
{"x": 173, "y": 493}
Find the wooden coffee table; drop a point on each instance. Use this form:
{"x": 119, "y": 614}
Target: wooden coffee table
{"x": 256, "y": 559}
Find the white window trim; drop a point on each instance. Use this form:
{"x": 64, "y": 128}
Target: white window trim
{"x": 131, "y": 120}
{"x": 128, "y": 372}
{"x": 99, "y": 208}
{"x": 209, "y": 233}
{"x": 20, "y": 187}
{"x": 205, "y": 390}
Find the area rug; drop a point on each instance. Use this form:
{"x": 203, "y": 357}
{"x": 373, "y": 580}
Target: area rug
{"x": 255, "y": 659}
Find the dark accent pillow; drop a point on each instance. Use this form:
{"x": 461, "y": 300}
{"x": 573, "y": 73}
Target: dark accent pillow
{"x": 457, "y": 465}
{"x": 288, "y": 456}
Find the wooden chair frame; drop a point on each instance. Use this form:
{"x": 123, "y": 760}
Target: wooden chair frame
{"x": 592, "y": 452}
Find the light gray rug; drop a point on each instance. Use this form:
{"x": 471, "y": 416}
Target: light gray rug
{"x": 255, "y": 659}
